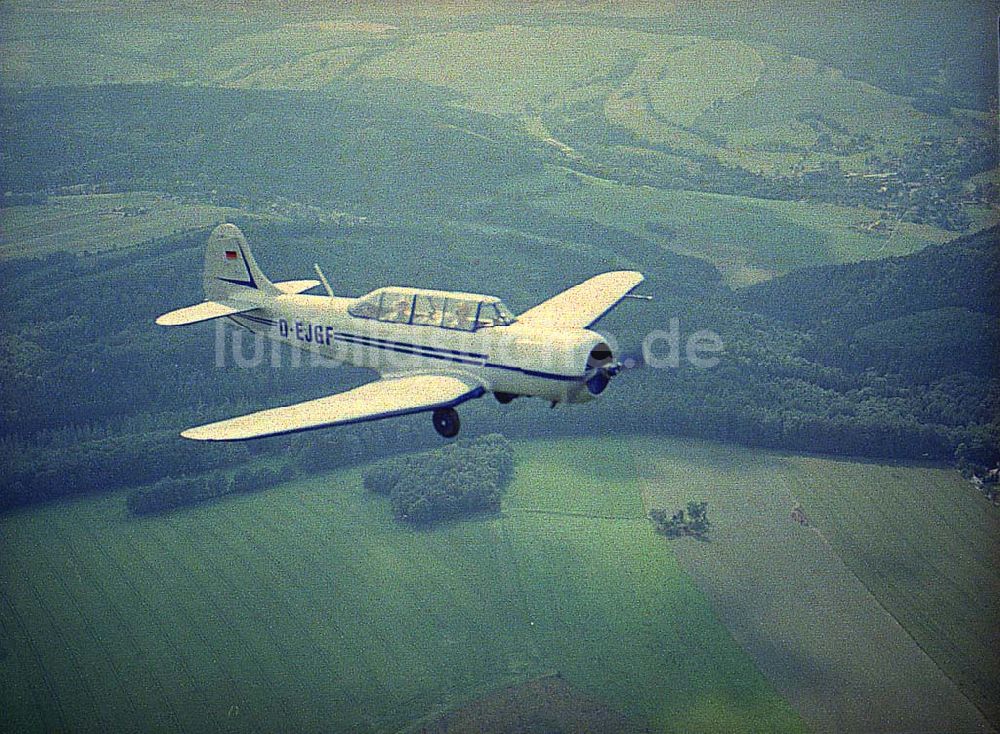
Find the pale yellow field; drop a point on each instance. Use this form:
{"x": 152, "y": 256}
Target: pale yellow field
{"x": 99, "y": 222}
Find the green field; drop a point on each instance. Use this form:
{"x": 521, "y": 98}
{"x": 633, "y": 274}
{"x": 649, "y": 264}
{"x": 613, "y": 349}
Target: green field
{"x": 99, "y": 222}
{"x": 308, "y": 608}
{"x": 747, "y": 239}
{"x": 929, "y": 558}
{"x": 511, "y": 68}
{"x": 885, "y": 597}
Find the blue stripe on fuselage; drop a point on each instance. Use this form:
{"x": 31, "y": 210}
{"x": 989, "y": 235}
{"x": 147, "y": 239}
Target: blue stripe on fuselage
{"x": 258, "y": 319}
{"x": 411, "y": 346}
{"x": 420, "y": 350}
{"x": 413, "y": 349}
{"x": 535, "y": 373}
{"x": 407, "y": 348}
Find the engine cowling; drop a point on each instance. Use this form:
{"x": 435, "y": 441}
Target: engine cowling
{"x": 574, "y": 365}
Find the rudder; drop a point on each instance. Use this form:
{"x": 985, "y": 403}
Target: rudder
{"x": 230, "y": 269}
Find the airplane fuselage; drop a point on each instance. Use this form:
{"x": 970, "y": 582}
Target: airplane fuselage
{"x": 433, "y": 350}
{"x": 509, "y": 360}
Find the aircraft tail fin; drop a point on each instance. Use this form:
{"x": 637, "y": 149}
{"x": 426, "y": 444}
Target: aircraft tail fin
{"x": 230, "y": 269}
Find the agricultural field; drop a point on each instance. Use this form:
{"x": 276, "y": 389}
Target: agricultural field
{"x": 99, "y": 222}
{"x": 511, "y": 69}
{"x": 297, "y": 55}
{"x": 747, "y": 239}
{"x": 738, "y": 102}
{"x": 883, "y": 592}
{"x": 929, "y": 557}
{"x": 307, "y": 607}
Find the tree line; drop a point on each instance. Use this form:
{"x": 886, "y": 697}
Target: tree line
{"x": 93, "y": 395}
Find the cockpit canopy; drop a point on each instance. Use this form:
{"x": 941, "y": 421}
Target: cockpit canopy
{"x": 463, "y": 311}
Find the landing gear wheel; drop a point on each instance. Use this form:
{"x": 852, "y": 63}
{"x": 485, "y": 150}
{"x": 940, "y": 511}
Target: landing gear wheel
{"x": 446, "y": 422}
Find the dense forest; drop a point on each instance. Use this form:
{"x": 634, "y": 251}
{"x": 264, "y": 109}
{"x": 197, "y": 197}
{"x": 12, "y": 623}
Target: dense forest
{"x": 94, "y": 395}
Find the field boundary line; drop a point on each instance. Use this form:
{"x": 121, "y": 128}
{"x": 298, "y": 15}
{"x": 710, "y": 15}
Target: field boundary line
{"x": 566, "y": 513}
{"x": 879, "y": 603}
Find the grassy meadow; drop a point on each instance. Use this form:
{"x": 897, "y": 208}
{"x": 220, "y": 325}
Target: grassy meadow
{"x": 747, "y": 239}
{"x": 307, "y": 607}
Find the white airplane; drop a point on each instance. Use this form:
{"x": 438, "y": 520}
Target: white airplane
{"x": 432, "y": 349}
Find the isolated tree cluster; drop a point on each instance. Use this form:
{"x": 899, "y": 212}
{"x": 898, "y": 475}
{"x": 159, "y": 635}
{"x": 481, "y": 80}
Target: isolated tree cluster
{"x": 464, "y": 478}
{"x": 978, "y": 463}
{"x": 693, "y": 522}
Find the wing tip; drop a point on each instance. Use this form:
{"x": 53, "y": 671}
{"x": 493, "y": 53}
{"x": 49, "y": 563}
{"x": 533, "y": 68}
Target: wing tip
{"x": 634, "y": 274}
{"x": 199, "y": 433}
{"x": 168, "y": 319}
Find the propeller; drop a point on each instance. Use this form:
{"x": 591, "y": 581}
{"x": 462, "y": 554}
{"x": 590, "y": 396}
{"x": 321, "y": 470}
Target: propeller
{"x": 604, "y": 367}
{"x": 631, "y": 361}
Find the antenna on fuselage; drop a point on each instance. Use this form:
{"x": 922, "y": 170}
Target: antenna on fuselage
{"x": 323, "y": 280}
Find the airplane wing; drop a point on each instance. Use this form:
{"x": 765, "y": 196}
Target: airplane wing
{"x": 204, "y": 311}
{"x": 585, "y": 304}
{"x": 383, "y": 398}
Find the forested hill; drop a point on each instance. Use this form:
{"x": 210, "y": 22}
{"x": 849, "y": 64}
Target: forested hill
{"x": 963, "y": 273}
{"x": 924, "y": 316}
{"x": 782, "y": 381}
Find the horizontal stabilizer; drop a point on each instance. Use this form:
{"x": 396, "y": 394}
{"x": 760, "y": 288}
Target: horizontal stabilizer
{"x": 583, "y": 305}
{"x": 205, "y": 311}
{"x": 380, "y": 399}
{"x": 292, "y": 287}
